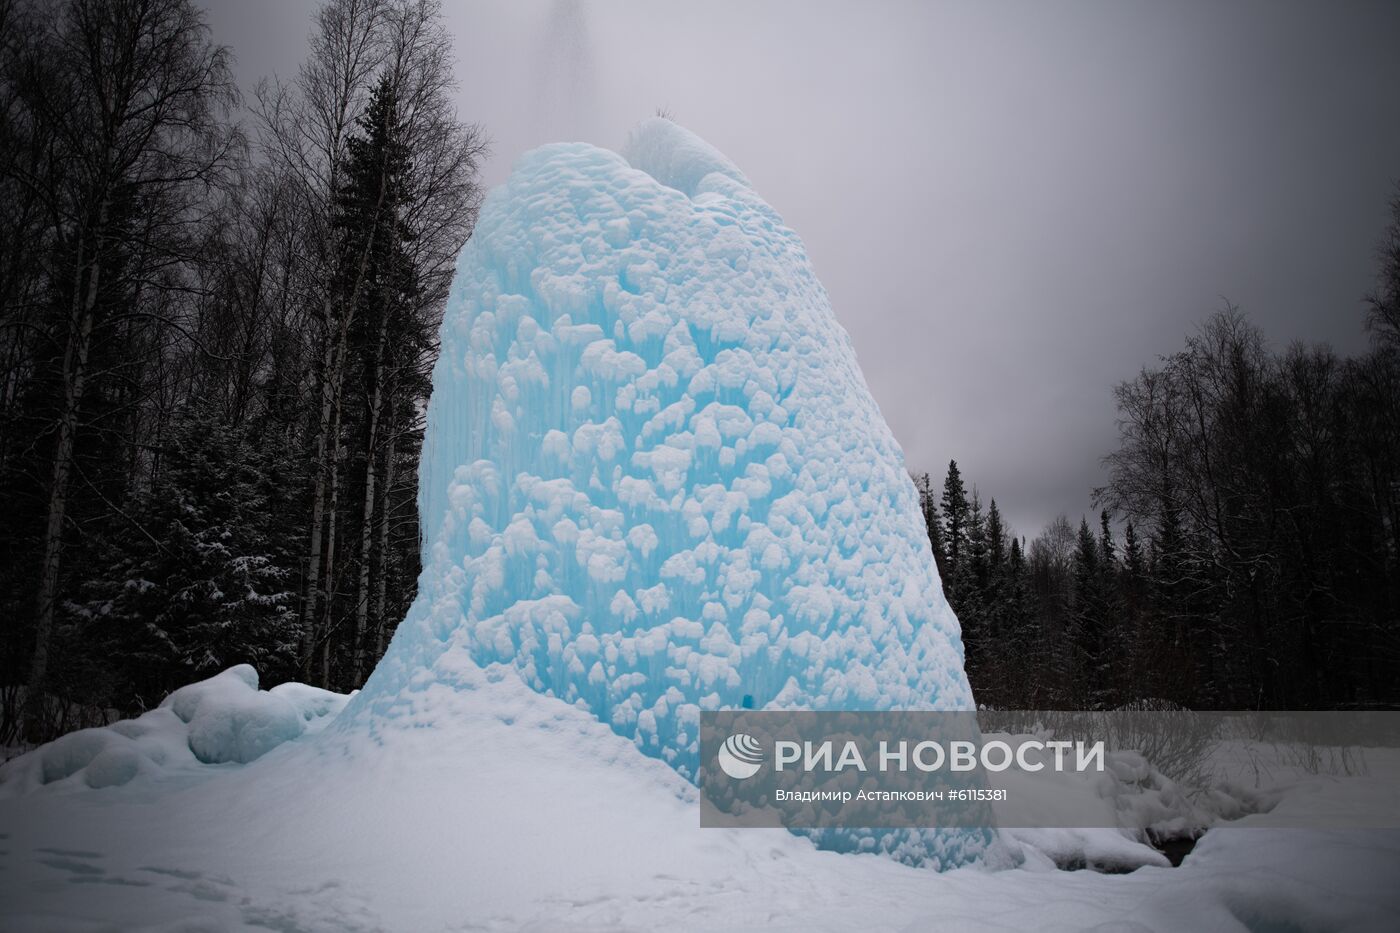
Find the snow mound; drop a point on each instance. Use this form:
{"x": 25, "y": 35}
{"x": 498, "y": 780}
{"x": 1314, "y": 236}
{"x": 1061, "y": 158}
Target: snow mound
{"x": 230, "y": 719}
{"x": 677, "y": 157}
{"x": 225, "y": 719}
{"x": 654, "y": 480}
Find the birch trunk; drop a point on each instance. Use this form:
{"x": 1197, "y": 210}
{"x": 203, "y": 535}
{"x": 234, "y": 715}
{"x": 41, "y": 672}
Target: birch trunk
{"x": 312, "y": 585}
{"x": 367, "y": 524}
{"x": 329, "y": 570}
{"x": 380, "y": 598}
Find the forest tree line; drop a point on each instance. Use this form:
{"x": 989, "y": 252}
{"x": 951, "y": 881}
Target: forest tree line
{"x": 1247, "y": 555}
{"x": 219, "y": 314}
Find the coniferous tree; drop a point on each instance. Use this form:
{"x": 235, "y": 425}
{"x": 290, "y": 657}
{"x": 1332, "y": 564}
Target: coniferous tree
{"x": 994, "y": 536}
{"x": 1133, "y": 561}
{"x": 382, "y": 281}
{"x": 1108, "y": 551}
{"x": 977, "y": 561}
{"x": 998, "y": 615}
{"x": 197, "y": 576}
{"x": 1024, "y": 683}
{"x": 933, "y": 522}
{"x": 955, "y": 522}
{"x": 1141, "y": 638}
{"x": 1114, "y": 663}
{"x": 1086, "y": 632}
{"x": 996, "y": 540}
{"x": 969, "y": 585}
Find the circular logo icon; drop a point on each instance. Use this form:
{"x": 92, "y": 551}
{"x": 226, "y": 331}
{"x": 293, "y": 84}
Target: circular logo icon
{"x": 740, "y": 756}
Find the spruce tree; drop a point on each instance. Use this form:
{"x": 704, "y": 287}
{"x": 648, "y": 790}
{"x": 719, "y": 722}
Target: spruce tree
{"x": 1167, "y": 571}
{"x": 1086, "y": 619}
{"x": 1114, "y": 670}
{"x": 1086, "y": 556}
{"x": 1018, "y": 636}
{"x": 386, "y": 340}
{"x": 199, "y": 575}
{"x": 977, "y": 557}
{"x": 1108, "y": 553}
{"x": 996, "y": 540}
{"x": 969, "y": 582}
{"x": 1133, "y": 562}
{"x": 955, "y": 520}
{"x": 995, "y": 612}
{"x": 933, "y": 522}
{"x": 1140, "y": 638}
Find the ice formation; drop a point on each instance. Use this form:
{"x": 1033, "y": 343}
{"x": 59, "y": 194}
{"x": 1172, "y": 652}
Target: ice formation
{"x": 654, "y": 480}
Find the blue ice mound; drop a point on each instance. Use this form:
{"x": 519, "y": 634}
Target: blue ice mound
{"x": 654, "y": 480}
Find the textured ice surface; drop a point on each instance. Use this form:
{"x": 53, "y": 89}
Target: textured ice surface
{"x": 654, "y": 480}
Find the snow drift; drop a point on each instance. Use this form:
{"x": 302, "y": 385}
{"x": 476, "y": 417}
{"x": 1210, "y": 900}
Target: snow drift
{"x": 225, "y": 719}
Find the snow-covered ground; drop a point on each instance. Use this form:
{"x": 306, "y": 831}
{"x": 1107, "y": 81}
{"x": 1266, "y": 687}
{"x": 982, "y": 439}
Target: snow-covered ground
{"x": 491, "y": 807}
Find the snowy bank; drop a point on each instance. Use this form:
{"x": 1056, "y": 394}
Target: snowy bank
{"x": 225, "y": 719}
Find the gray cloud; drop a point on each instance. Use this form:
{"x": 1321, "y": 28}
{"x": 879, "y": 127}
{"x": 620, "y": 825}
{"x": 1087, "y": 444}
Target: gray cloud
{"x": 1012, "y": 205}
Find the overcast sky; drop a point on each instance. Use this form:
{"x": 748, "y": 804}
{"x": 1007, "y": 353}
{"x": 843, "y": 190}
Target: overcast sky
{"x": 1012, "y": 205}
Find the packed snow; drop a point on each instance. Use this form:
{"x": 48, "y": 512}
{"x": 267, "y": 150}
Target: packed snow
{"x": 225, "y": 719}
{"x": 504, "y": 809}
